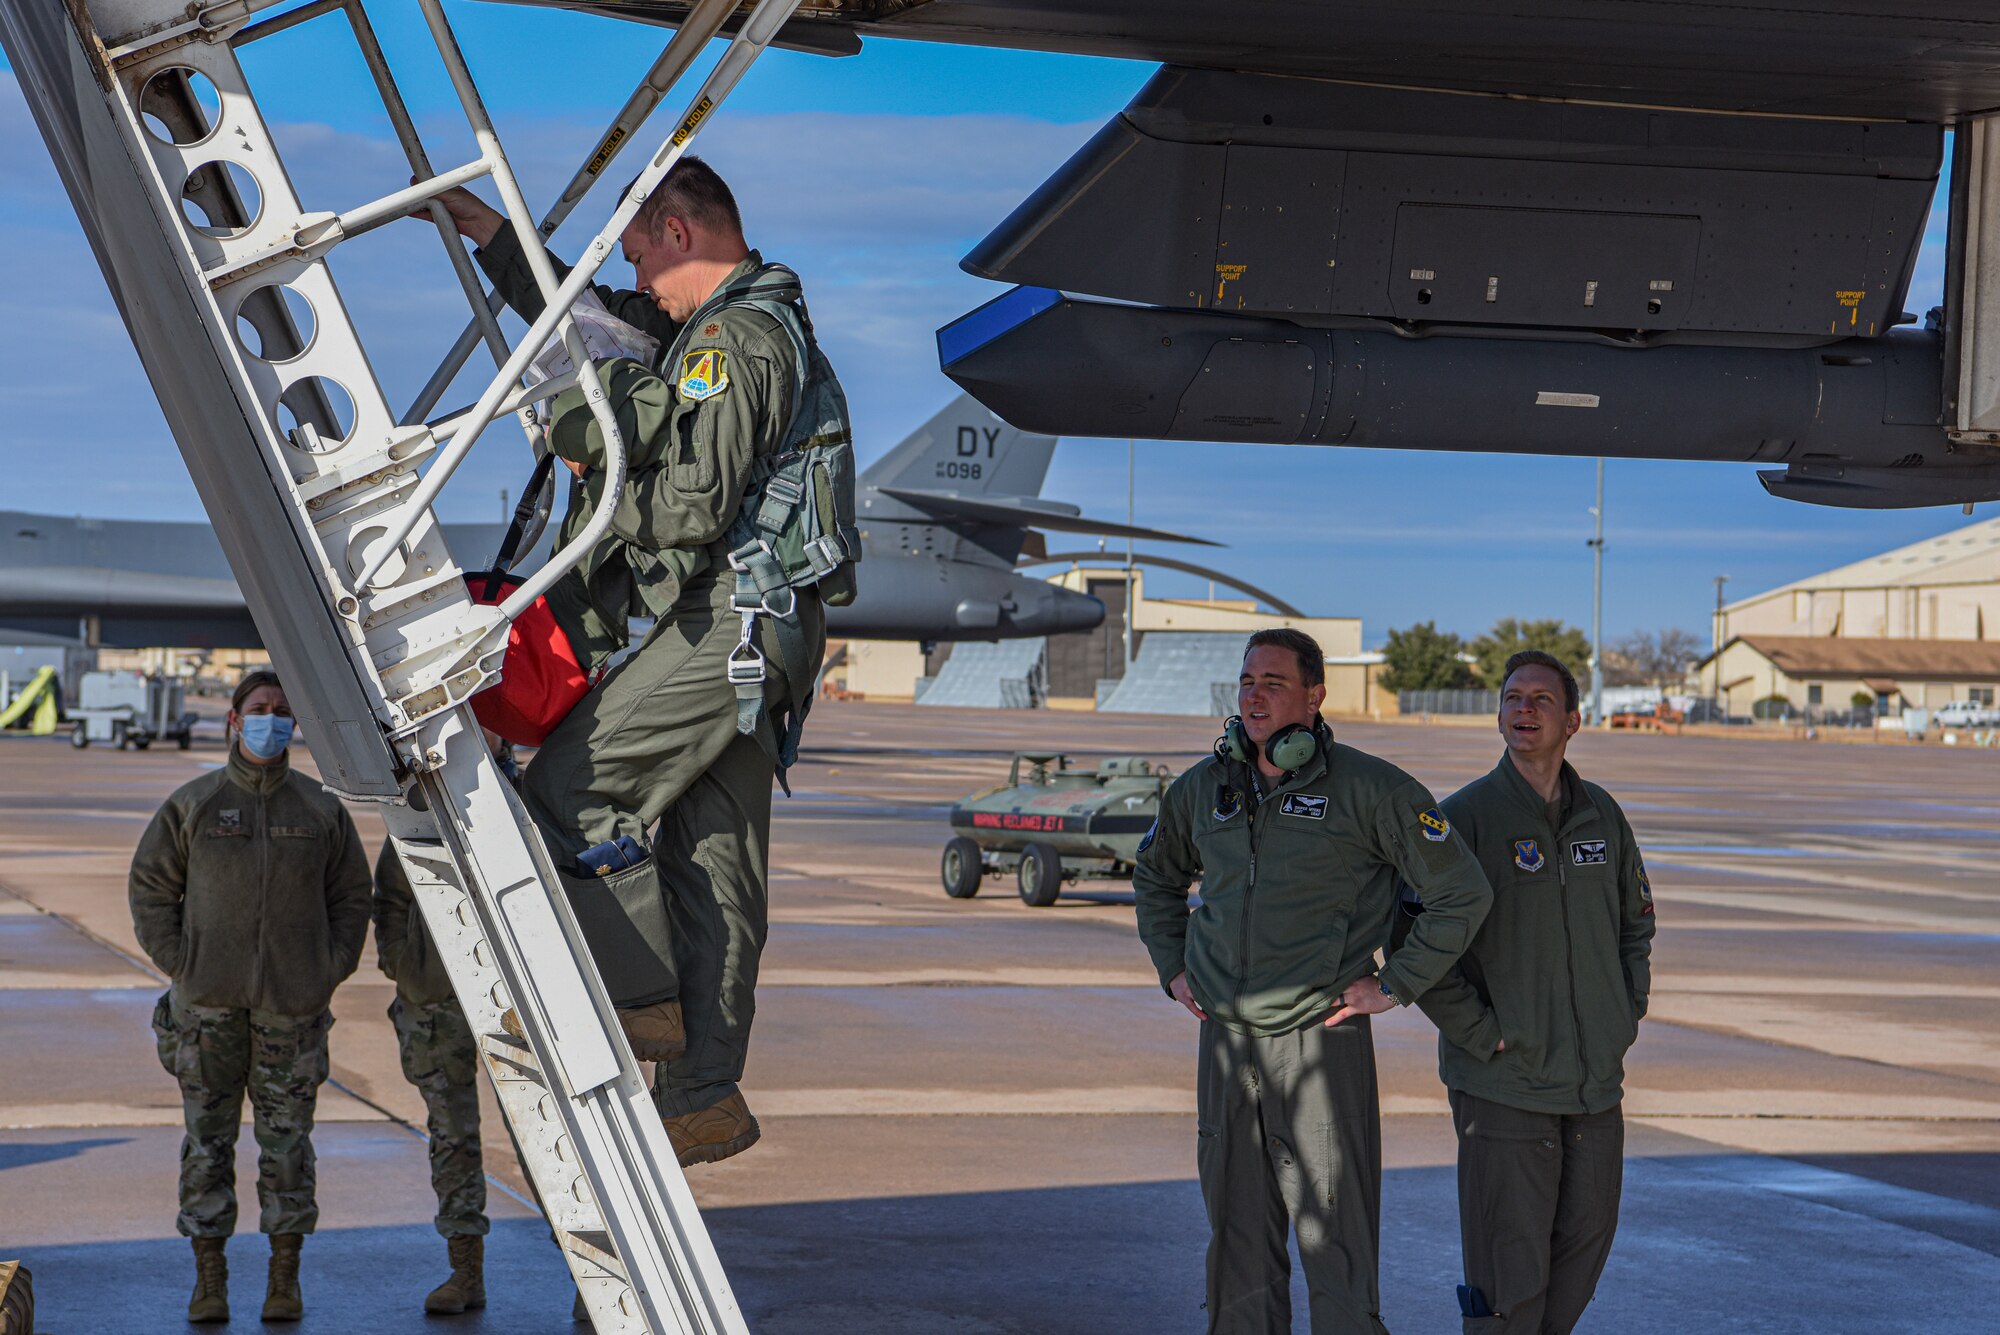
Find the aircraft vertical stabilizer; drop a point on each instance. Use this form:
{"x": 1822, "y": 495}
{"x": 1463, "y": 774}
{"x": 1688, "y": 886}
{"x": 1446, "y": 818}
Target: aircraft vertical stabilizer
{"x": 965, "y": 448}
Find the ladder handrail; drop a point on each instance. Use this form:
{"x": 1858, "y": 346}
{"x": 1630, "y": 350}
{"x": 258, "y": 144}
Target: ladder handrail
{"x": 750, "y": 41}
{"x": 701, "y": 25}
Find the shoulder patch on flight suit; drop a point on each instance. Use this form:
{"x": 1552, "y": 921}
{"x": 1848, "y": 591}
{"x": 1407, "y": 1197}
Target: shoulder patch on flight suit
{"x": 704, "y": 375}
{"x": 1528, "y": 854}
{"x": 1588, "y": 852}
{"x": 1303, "y": 804}
{"x": 1152, "y": 833}
{"x": 1645, "y": 892}
{"x": 1435, "y": 827}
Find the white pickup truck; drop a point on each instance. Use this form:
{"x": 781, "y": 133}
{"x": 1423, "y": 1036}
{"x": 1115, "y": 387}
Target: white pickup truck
{"x": 1966, "y": 714}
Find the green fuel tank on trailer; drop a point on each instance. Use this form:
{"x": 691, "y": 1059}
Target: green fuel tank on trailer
{"x": 1050, "y": 823}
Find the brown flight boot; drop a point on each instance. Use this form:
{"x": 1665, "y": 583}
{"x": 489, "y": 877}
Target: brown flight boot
{"x": 713, "y": 1133}
{"x": 282, "y": 1301}
{"x": 211, "y": 1281}
{"x": 467, "y": 1285}
{"x": 655, "y": 1032}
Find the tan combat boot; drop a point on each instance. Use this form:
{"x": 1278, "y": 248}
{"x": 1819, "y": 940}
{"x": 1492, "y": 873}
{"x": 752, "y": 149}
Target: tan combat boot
{"x": 211, "y": 1281}
{"x": 282, "y": 1301}
{"x": 655, "y": 1032}
{"x": 467, "y": 1285}
{"x": 713, "y": 1133}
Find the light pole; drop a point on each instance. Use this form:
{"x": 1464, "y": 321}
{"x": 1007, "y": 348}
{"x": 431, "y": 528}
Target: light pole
{"x": 1130, "y": 494}
{"x": 1597, "y": 607}
{"x": 1715, "y": 626}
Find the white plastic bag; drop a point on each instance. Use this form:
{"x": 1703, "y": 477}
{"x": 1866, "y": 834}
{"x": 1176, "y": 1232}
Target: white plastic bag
{"x": 604, "y": 335}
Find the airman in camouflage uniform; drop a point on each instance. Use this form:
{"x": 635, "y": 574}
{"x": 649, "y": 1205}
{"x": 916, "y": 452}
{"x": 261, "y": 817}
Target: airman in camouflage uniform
{"x": 441, "y": 1060}
{"x": 249, "y": 890}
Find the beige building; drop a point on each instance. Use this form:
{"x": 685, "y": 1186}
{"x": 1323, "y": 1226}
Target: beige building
{"x": 1077, "y": 662}
{"x": 1943, "y": 588}
{"x": 1828, "y": 672}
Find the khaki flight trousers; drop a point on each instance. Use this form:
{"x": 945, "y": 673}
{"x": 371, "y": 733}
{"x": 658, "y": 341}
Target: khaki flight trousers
{"x": 1537, "y": 1211}
{"x": 1289, "y": 1130}
{"x": 656, "y": 744}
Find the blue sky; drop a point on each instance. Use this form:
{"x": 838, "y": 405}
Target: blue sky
{"x": 872, "y": 176}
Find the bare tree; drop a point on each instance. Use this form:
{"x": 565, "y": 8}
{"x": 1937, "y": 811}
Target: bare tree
{"x": 1652, "y": 658}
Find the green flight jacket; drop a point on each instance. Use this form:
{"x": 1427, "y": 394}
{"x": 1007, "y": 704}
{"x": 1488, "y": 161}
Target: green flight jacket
{"x": 250, "y": 890}
{"x": 1561, "y": 967}
{"x": 689, "y": 458}
{"x": 403, "y": 945}
{"x": 1299, "y": 887}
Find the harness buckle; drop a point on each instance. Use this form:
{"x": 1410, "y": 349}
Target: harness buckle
{"x": 746, "y": 671}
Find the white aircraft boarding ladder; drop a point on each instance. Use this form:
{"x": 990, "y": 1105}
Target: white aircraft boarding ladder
{"x": 315, "y": 492}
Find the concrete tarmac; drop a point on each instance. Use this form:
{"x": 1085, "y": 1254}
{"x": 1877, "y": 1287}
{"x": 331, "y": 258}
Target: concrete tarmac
{"x": 979, "y": 1116}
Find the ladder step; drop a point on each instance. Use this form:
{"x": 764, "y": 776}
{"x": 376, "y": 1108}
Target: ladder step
{"x": 594, "y": 1246}
{"x": 513, "y": 1054}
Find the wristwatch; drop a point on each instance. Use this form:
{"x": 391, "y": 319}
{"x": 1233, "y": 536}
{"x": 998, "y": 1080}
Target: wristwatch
{"x": 1387, "y": 991}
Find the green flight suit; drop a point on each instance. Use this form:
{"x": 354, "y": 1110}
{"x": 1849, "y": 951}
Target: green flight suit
{"x": 1560, "y": 970}
{"x": 250, "y": 890}
{"x": 437, "y": 1049}
{"x": 656, "y": 743}
{"x": 1299, "y": 883}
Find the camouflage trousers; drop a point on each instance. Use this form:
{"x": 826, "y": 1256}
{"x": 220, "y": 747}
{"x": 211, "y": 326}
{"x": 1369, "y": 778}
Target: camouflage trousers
{"x": 217, "y": 1054}
{"x": 439, "y": 1059}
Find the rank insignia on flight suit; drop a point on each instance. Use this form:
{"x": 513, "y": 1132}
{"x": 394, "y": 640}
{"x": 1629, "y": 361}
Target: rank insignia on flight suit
{"x": 703, "y": 375}
{"x": 1528, "y": 854}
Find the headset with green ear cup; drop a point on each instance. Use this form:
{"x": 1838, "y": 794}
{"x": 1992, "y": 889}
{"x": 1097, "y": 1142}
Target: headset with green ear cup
{"x": 1288, "y": 748}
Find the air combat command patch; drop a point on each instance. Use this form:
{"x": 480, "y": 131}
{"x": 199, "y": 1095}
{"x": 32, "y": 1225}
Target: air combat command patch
{"x": 1436, "y": 828}
{"x": 703, "y": 375}
{"x": 1528, "y": 854}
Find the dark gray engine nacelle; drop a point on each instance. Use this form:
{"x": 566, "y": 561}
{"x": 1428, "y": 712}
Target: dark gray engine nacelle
{"x": 1046, "y": 362}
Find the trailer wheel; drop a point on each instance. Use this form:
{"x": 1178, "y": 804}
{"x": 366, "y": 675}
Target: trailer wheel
{"x": 185, "y": 740}
{"x": 78, "y": 738}
{"x": 1040, "y": 875}
{"x": 141, "y": 743}
{"x": 120, "y": 738}
{"x": 962, "y": 868}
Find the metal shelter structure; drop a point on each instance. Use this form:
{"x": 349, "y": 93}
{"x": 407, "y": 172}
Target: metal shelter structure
{"x": 322, "y": 497}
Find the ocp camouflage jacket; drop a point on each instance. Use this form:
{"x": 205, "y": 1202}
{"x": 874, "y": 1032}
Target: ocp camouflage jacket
{"x": 250, "y": 890}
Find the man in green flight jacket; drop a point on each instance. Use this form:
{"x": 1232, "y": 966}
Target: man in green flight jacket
{"x": 1300, "y": 845}
{"x": 1535, "y": 1019}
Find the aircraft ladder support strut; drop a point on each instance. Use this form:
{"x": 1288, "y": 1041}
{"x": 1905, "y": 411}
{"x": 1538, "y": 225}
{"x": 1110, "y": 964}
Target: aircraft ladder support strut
{"x": 312, "y": 484}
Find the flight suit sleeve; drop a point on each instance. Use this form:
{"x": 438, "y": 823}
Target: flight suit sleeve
{"x": 1635, "y": 919}
{"x": 157, "y": 889}
{"x": 1167, "y": 866}
{"x": 1453, "y": 1004}
{"x": 394, "y": 903}
{"x": 1413, "y": 835}
{"x": 349, "y": 890}
{"x": 689, "y": 457}
{"x": 507, "y": 266}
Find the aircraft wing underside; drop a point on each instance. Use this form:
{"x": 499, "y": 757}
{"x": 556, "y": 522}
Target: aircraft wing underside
{"x": 1916, "y": 59}
{"x": 1640, "y": 228}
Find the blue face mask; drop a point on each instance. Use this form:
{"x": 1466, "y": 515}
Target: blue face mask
{"x": 265, "y": 736}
